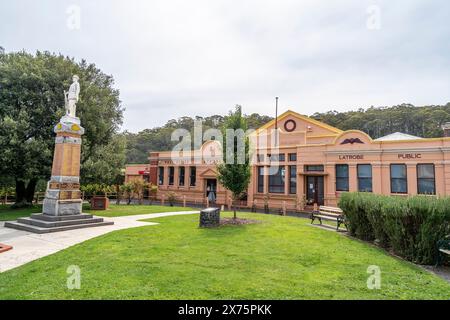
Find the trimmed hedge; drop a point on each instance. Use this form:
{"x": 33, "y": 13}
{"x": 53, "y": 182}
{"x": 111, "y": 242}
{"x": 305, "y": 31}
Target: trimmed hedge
{"x": 411, "y": 226}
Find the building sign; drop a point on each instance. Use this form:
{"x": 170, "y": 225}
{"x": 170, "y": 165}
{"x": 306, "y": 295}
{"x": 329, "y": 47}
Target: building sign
{"x": 408, "y": 156}
{"x": 351, "y": 157}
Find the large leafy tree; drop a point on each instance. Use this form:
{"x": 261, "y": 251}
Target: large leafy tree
{"x": 31, "y": 103}
{"x": 235, "y": 175}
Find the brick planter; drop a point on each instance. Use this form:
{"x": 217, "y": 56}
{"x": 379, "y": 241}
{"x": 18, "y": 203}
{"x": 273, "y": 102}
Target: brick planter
{"x": 99, "y": 203}
{"x": 210, "y": 218}
{"x": 4, "y": 248}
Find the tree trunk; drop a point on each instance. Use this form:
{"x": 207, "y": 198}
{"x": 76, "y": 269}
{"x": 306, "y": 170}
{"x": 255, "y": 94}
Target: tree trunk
{"x": 29, "y": 192}
{"x": 20, "y": 191}
{"x": 117, "y": 194}
{"x": 233, "y": 204}
{"x": 25, "y": 193}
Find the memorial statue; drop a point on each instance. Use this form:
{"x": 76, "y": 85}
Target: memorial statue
{"x": 71, "y": 97}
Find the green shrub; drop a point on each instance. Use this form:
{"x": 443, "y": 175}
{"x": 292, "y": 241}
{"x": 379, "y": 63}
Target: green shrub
{"x": 436, "y": 227}
{"x": 354, "y": 207}
{"x": 410, "y": 226}
{"x": 375, "y": 215}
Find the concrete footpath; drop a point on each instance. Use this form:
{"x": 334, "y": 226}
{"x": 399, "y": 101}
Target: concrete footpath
{"x": 30, "y": 246}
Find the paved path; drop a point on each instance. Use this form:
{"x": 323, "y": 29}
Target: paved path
{"x": 30, "y": 246}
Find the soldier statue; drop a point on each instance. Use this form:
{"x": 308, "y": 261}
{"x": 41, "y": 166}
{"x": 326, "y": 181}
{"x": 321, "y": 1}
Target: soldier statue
{"x": 72, "y": 96}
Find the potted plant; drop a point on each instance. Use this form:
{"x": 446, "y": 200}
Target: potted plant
{"x": 171, "y": 197}
{"x": 266, "y": 203}
{"x": 301, "y": 202}
{"x": 126, "y": 191}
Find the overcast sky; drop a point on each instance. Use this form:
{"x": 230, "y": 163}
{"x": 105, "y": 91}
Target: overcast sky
{"x": 174, "y": 58}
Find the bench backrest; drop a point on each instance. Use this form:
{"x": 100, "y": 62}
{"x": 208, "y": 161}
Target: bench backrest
{"x": 330, "y": 210}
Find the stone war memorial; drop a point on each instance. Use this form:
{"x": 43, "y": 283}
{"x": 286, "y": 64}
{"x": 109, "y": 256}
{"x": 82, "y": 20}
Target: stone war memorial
{"x": 62, "y": 207}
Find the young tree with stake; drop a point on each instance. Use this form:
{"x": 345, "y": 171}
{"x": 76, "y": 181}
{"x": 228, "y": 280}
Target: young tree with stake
{"x": 234, "y": 172}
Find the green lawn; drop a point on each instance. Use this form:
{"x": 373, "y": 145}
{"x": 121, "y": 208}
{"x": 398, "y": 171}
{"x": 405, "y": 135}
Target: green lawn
{"x": 128, "y": 210}
{"x": 8, "y": 214}
{"x": 280, "y": 258}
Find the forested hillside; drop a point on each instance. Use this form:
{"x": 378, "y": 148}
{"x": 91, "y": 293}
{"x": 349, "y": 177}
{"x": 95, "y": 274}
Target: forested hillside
{"x": 420, "y": 121}
{"x": 158, "y": 139}
{"x": 377, "y": 122}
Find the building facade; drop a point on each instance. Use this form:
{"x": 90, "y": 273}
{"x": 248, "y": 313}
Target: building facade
{"x": 312, "y": 163}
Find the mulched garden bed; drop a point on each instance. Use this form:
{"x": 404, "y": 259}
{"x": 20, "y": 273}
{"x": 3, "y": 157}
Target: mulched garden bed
{"x": 237, "y": 221}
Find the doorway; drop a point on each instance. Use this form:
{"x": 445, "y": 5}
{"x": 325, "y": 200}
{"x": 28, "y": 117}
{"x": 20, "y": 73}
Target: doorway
{"x": 315, "y": 190}
{"x": 211, "y": 190}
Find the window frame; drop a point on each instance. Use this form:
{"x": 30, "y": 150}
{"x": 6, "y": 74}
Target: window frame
{"x": 290, "y": 179}
{"x": 292, "y": 157}
{"x": 280, "y": 157}
{"x": 308, "y": 166}
{"x": 434, "y": 179}
{"x": 367, "y": 178}
{"x": 192, "y": 170}
{"x": 161, "y": 171}
{"x": 171, "y": 177}
{"x": 338, "y": 177}
{"x": 260, "y": 177}
{"x": 280, "y": 170}
{"x": 406, "y": 177}
{"x": 181, "y": 182}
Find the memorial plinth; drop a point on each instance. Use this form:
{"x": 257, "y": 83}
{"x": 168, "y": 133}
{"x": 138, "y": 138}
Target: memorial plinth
{"x": 62, "y": 207}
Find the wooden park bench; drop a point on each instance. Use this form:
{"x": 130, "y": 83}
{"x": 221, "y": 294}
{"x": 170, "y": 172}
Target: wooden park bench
{"x": 443, "y": 248}
{"x": 331, "y": 214}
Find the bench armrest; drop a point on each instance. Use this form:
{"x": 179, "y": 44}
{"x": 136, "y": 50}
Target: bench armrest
{"x": 443, "y": 244}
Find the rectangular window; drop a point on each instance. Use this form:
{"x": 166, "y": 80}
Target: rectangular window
{"x": 171, "y": 175}
{"x": 277, "y": 157}
{"x": 161, "y": 176}
{"x": 277, "y": 180}
{"x": 399, "y": 180}
{"x": 314, "y": 168}
{"x": 293, "y": 179}
{"x": 292, "y": 157}
{"x": 426, "y": 183}
{"x": 193, "y": 176}
{"x": 260, "y": 158}
{"x": 364, "y": 178}
{"x": 261, "y": 179}
{"x": 342, "y": 177}
{"x": 181, "y": 176}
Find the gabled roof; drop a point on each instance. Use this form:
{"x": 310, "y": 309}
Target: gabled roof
{"x": 302, "y": 117}
{"x": 398, "y": 136}
{"x": 208, "y": 173}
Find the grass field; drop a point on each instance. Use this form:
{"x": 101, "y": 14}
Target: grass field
{"x": 127, "y": 210}
{"x": 8, "y": 214}
{"x": 279, "y": 258}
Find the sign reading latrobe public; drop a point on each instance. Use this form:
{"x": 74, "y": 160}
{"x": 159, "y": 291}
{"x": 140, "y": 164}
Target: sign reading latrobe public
{"x": 351, "y": 157}
{"x": 409, "y": 155}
